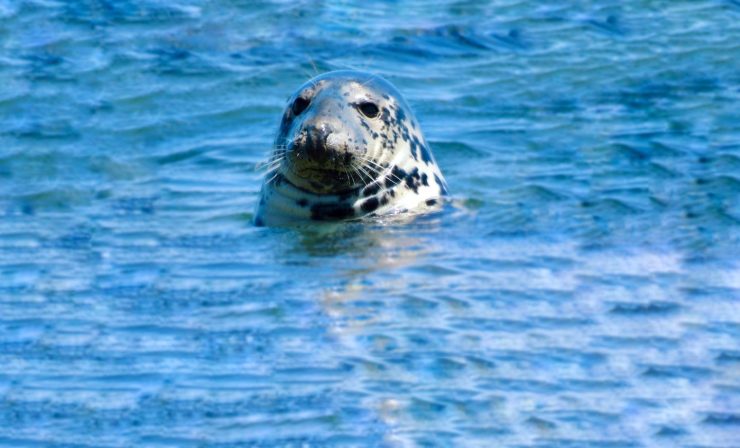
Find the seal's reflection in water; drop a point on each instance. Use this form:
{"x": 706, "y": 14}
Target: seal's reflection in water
{"x": 362, "y": 294}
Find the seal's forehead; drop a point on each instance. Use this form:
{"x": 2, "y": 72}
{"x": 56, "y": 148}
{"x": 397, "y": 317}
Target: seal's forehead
{"x": 352, "y": 82}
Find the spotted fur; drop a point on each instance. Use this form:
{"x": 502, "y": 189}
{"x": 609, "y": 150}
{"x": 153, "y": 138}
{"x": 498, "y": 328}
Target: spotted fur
{"x": 348, "y": 147}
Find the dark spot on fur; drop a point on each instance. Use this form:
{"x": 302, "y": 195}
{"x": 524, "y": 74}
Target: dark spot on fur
{"x": 384, "y": 199}
{"x": 405, "y": 133}
{"x": 424, "y": 179}
{"x": 414, "y": 150}
{"x": 370, "y": 205}
{"x": 441, "y": 184}
{"x": 385, "y": 116}
{"x": 330, "y": 212}
{"x": 425, "y": 154}
{"x": 431, "y": 202}
{"x": 400, "y": 115}
{"x": 413, "y": 180}
{"x": 371, "y": 189}
{"x": 396, "y": 176}
{"x": 420, "y": 151}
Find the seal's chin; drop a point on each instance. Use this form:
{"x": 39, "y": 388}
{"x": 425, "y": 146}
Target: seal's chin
{"x": 330, "y": 173}
{"x": 320, "y": 180}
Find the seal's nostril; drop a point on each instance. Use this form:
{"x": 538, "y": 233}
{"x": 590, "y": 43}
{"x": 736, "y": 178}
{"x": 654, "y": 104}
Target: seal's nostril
{"x": 318, "y": 135}
{"x": 315, "y": 146}
{"x": 325, "y": 130}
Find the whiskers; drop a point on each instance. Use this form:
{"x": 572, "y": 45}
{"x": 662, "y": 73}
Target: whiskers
{"x": 358, "y": 175}
{"x": 272, "y": 166}
{"x": 369, "y": 171}
{"x": 379, "y": 171}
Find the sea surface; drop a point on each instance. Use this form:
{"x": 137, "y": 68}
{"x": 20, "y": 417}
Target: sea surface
{"x": 581, "y": 288}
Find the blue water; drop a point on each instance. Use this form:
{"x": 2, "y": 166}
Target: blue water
{"x": 582, "y": 289}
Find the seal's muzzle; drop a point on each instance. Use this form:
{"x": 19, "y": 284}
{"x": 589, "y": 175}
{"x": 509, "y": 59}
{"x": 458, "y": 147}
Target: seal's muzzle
{"x": 317, "y": 147}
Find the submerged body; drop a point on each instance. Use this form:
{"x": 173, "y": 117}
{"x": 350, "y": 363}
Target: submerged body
{"x": 348, "y": 147}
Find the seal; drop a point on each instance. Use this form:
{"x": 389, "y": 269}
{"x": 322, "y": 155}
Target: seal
{"x": 348, "y": 147}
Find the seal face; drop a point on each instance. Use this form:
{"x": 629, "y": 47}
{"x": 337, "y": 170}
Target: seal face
{"x": 348, "y": 147}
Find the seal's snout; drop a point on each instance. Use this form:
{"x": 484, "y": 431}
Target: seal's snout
{"x": 322, "y": 143}
{"x": 318, "y": 148}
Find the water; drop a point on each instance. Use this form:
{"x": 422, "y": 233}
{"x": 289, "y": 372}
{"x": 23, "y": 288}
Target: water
{"x": 581, "y": 290}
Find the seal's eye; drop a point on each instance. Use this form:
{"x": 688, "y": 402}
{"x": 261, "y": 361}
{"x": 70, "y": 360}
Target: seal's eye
{"x": 368, "y": 109}
{"x": 299, "y": 105}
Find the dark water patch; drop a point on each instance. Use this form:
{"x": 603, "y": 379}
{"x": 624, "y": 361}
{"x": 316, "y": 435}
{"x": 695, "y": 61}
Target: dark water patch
{"x": 722, "y": 419}
{"x": 721, "y": 327}
{"x": 520, "y": 385}
{"x": 541, "y": 424}
{"x": 448, "y": 40}
{"x": 728, "y": 357}
{"x": 445, "y": 437}
{"x": 42, "y": 66}
{"x": 589, "y": 417}
{"x": 646, "y": 96}
{"x": 513, "y": 40}
{"x": 418, "y": 306}
{"x": 564, "y": 356}
{"x": 135, "y": 205}
{"x": 536, "y": 193}
{"x": 733, "y": 4}
{"x": 54, "y": 200}
{"x": 58, "y": 129}
{"x": 661, "y": 150}
{"x": 574, "y": 443}
{"x": 671, "y": 431}
{"x": 721, "y": 184}
{"x": 491, "y": 430}
{"x": 595, "y": 385}
{"x": 107, "y": 12}
{"x": 618, "y": 152}
{"x": 611, "y": 26}
{"x": 562, "y": 322}
{"x": 401, "y": 50}
{"x": 711, "y": 293}
{"x": 456, "y": 150}
{"x": 174, "y": 61}
{"x": 677, "y": 371}
{"x": 644, "y": 309}
{"x": 502, "y": 325}
{"x": 180, "y": 156}
{"x": 620, "y": 342}
{"x": 608, "y": 208}
{"x": 658, "y": 170}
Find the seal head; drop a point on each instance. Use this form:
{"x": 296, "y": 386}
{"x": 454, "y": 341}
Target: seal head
{"x": 348, "y": 146}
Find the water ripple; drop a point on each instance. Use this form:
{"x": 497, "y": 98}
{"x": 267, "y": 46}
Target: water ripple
{"x": 580, "y": 290}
